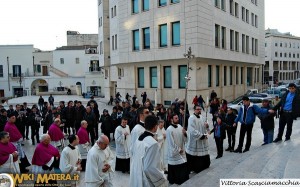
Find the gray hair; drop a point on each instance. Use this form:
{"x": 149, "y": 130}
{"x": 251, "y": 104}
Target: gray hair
{"x": 100, "y": 139}
{"x": 43, "y": 137}
{"x": 161, "y": 121}
{"x": 82, "y": 122}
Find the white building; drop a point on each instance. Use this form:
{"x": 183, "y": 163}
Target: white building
{"x": 281, "y": 56}
{"x": 142, "y": 42}
{"x": 15, "y": 62}
{"x": 74, "y": 67}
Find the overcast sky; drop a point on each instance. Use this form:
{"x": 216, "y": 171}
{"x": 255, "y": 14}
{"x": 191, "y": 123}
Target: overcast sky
{"x": 44, "y": 23}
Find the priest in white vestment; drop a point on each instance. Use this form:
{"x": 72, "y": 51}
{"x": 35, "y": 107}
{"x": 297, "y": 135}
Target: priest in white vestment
{"x": 139, "y": 128}
{"x": 197, "y": 150}
{"x": 161, "y": 139}
{"x": 123, "y": 140}
{"x": 145, "y": 170}
{"x": 70, "y": 157}
{"x": 177, "y": 164}
{"x": 98, "y": 170}
{"x": 9, "y": 155}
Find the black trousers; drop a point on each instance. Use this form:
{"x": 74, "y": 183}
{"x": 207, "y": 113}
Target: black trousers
{"x": 219, "y": 144}
{"x": 231, "y": 138}
{"x": 285, "y": 119}
{"x": 27, "y": 130}
{"x": 245, "y": 129}
{"x": 35, "y": 132}
{"x": 92, "y": 134}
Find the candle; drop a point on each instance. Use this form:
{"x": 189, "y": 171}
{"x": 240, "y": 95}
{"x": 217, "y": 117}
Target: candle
{"x": 207, "y": 100}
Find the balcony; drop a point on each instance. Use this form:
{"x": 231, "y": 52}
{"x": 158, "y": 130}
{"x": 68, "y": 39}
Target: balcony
{"x": 95, "y": 69}
{"x": 91, "y": 51}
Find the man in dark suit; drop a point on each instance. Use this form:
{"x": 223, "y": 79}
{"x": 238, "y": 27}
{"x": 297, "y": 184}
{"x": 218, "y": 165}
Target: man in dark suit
{"x": 289, "y": 110}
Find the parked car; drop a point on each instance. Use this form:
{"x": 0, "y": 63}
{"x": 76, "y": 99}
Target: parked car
{"x": 251, "y": 92}
{"x": 236, "y": 104}
{"x": 278, "y": 91}
{"x": 87, "y": 95}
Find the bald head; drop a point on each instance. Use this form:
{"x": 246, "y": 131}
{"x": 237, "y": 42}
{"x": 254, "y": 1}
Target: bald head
{"x": 102, "y": 142}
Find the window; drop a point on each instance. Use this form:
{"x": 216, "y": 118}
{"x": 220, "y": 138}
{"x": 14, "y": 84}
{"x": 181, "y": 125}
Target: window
{"x": 256, "y": 21}
{"x": 242, "y": 75}
{"x": 100, "y": 48}
{"x": 176, "y": 33}
{"x": 167, "y": 77}
{"x": 163, "y": 35}
{"x": 230, "y": 75}
{"x": 225, "y": 75}
{"x": 136, "y": 40}
{"x": 146, "y": 38}
{"x": 182, "y": 74}
{"x": 275, "y": 54}
{"x": 16, "y": 70}
{"x": 135, "y": 6}
{"x": 249, "y": 76}
{"x": 280, "y": 44}
{"x": 256, "y": 47}
{"x": 115, "y": 10}
{"x": 236, "y": 41}
{"x": 209, "y": 76}
{"x": 77, "y": 60}
{"x": 175, "y": 1}
{"x": 162, "y": 3}
{"x": 100, "y": 22}
{"x": 243, "y": 43}
{"x": 275, "y": 44}
{"x": 145, "y": 5}
{"x": 247, "y": 44}
{"x": 62, "y": 60}
{"x": 280, "y": 54}
{"x": 253, "y": 48}
{"x": 113, "y": 42}
{"x": 223, "y": 5}
{"x": 217, "y": 35}
{"x": 223, "y": 37}
{"x": 252, "y": 19}
{"x": 243, "y": 13}
{"x": 141, "y": 80}
{"x": 1, "y": 70}
{"x": 217, "y": 75}
{"x": 153, "y": 77}
{"x": 112, "y": 12}
{"x": 217, "y": 3}
{"x": 237, "y": 75}
{"x": 231, "y": 6}
{"x": 247, "y": 15}
{"x": 37, "y": 68}
{"x": 236, "y": 10}
{"x": 231, "y": 40}
{"x": 116, "y": 42}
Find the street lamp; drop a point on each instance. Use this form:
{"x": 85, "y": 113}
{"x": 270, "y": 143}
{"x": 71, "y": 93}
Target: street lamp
{"x": 189, "y": 56}
{"x": 20, "y": 81}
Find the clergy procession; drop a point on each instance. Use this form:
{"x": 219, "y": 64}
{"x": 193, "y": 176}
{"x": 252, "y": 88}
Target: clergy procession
{"x": 154, "y": 146}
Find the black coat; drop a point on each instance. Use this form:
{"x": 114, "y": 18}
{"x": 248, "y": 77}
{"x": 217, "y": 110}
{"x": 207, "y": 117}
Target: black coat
{"x": 106, "y": 125}
{"x": 229, "y": 120}
{"x": 295, "y": 104}
{"x": 267, "y": 120}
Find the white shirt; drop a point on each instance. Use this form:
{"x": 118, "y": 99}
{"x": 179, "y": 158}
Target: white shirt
{"x": 195, "y": 146}
{"x": 145, "y": 166}
{"x": 68, "y": 160}
{"x": 135, "y": 134}
{"x": 122, "y": 142}
{"x": 175, "y": 139}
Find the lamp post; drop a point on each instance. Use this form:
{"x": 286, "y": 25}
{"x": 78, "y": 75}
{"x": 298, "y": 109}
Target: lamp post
{"x": 189, "y": 56}
{"x": 20, "y": 81}
{"x": 7, "y": 60}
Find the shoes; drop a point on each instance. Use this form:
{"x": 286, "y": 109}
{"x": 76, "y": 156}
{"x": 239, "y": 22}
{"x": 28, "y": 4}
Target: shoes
{"x": 264, "y": 144}
{"x": 245, "y": 150}
{"x": 231, "y": 150}
{"x": 228, "y": 149}
{"x": 277, "y": 140}
{"x": 24, "y": 170}
{"x": 238, "y": 151}
{"x": 218, "y": 157}
{"x": 287, "y": 139}
{"x": 165, "y": 172}
{"x": 27, "y": 138}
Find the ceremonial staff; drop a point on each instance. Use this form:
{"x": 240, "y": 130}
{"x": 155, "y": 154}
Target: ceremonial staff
{"x": 189, "y": 56}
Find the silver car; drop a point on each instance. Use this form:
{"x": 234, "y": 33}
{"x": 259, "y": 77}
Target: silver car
{"x": 237, "y": 103}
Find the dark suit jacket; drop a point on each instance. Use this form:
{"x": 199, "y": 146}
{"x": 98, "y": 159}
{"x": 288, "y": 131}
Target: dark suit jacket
{"x": 295, "y": 104}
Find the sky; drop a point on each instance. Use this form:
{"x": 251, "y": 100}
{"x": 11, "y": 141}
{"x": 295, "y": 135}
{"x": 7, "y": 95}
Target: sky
{"x": 44, "y": 23}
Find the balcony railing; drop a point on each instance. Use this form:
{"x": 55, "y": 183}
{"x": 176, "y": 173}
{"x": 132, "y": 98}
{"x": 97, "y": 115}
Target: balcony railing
{"x": 91, "y": 51}
{"x": 94, "y": 69}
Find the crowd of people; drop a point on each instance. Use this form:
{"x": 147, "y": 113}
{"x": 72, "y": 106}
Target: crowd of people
{"x": 154, "y": 144}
